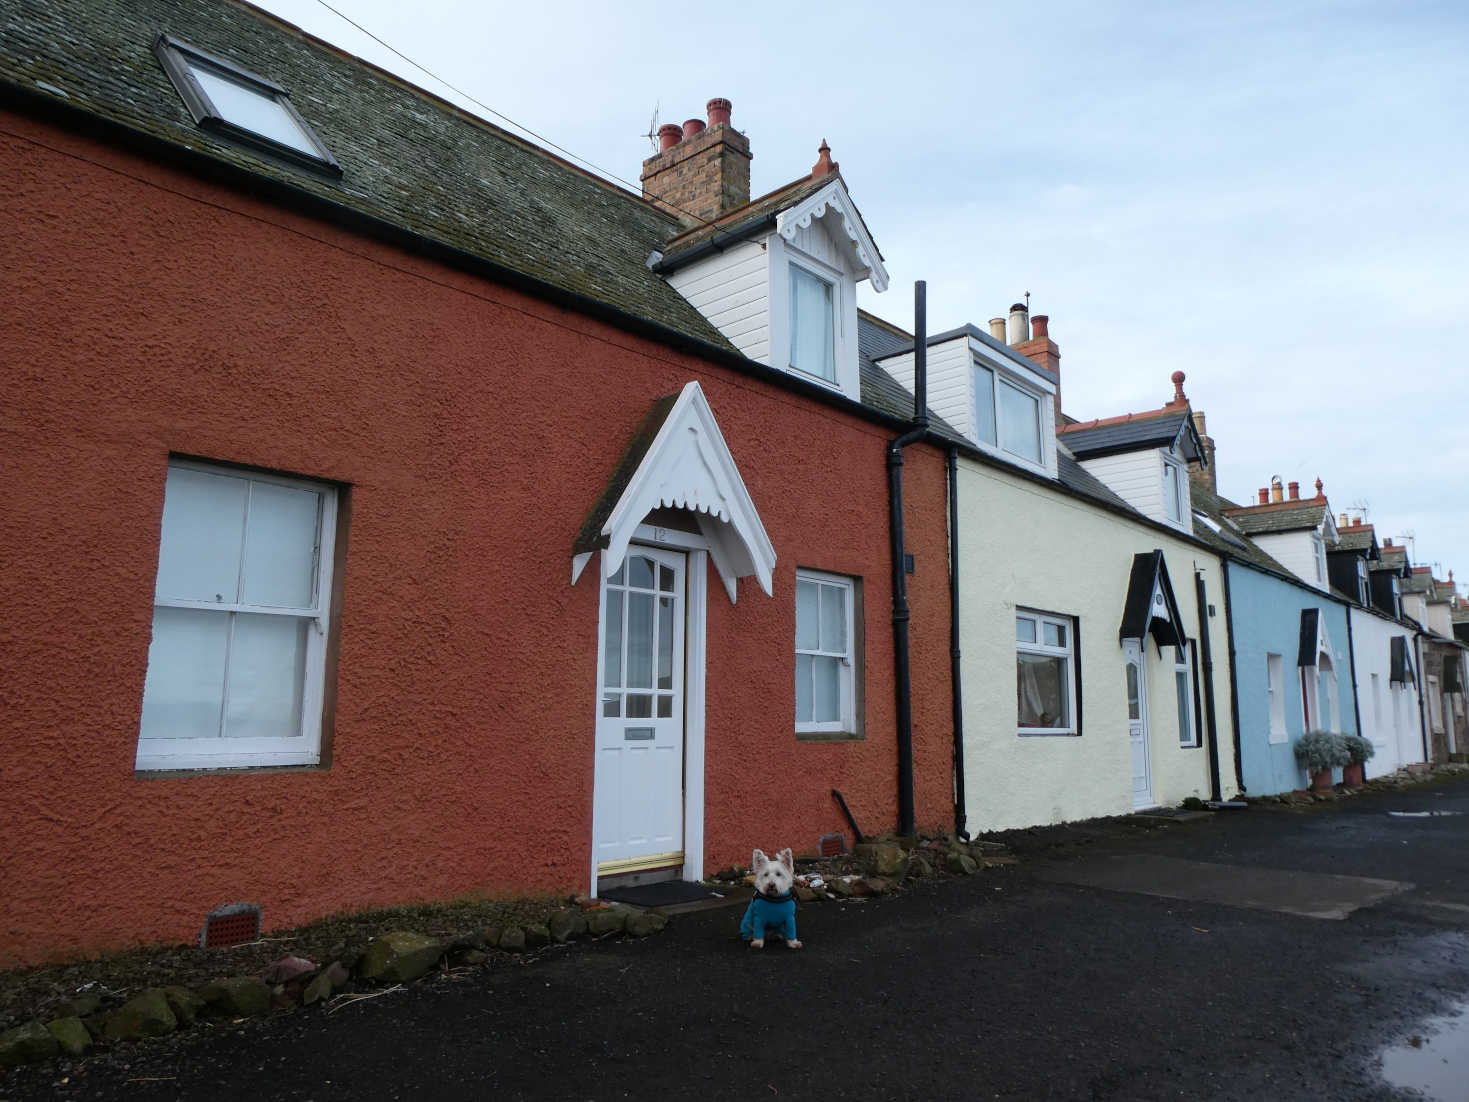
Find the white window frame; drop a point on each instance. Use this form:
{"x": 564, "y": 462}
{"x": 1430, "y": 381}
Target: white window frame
{"x": 1173, "y": 470}
{"x": 1318, "y": 550}
{"x": 1183, "y": 665}
{"x": 833, "y": 281}
{"x": 1275, "y": 695}
{"x": 217, "y": 751}
{"x": 999, "y": 376}
{"x": 1039, "y": 647}
{"x": 847, "y": 724}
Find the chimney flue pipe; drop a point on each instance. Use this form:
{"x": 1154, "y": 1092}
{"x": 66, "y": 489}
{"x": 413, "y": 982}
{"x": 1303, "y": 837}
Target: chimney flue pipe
{"x": 997, "y": 329}
{"x": 1019, "y": 324}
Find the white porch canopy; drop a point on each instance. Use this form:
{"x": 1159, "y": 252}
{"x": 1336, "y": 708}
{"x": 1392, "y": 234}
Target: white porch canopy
{"x": 686, "y": 465}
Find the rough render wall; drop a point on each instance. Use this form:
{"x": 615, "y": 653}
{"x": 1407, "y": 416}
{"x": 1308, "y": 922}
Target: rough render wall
{"x": 1023, "y": 546}
{"x": 150, "y": 313}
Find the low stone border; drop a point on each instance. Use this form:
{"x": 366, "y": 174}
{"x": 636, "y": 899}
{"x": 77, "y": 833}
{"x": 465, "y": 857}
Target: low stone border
{"x": 86, "y": 1021}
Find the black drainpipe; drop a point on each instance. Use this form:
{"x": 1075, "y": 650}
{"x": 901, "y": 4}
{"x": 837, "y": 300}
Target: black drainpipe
{"x": 1352, "y": 662}
{"x": 1239, "y": 771}
{"x": 954, "y": 653}
{"x": 1206, "y": 653}
{"x": 902, "y": 676}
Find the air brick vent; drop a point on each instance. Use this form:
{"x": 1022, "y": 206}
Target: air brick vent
{"x": 234, "y": 924}
{"x": 832, "y": 845}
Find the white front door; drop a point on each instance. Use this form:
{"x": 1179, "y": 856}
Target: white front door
{"x": 1137, "y": 724}
{"x": 638, "y": 808}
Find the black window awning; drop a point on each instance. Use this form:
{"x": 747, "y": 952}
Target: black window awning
{"x": 1401, "y": 669}
{"x": 1151, "y": 608}
{"x": 1310, "y": 633}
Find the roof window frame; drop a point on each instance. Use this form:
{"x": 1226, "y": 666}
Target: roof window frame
{"x": 178, "y": 60}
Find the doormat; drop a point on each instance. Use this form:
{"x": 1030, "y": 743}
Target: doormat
{"x": 665, "y": 893}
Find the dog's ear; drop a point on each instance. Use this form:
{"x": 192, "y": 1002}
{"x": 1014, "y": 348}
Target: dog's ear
{"x": 758, "y": 860}
{"x": 788, "y": 860}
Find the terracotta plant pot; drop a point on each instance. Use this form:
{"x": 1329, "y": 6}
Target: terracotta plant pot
{"x": 1321, "y": 782}
{"x": 1354, "y": 775}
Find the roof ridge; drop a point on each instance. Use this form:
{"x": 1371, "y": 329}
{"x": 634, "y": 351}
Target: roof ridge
{"x": 1120, "y": 419}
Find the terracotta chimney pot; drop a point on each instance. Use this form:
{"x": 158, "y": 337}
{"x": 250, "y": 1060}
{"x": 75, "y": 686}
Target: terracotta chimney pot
{"x": 718, "y": 111}
{"x": 997, "y": 329}
{"x": 1319, "y": 488}
{"x": 692, "y": 127}
{"x": 1264, "y": 496}
{"x": 1295, "y": 490}
{"x": 1038, "y": 326}
{"x": 668, "y": 136}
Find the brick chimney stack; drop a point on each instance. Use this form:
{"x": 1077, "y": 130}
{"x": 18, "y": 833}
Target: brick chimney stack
{"x": 700, "y": 170}
{"x": 1039, "y": 347}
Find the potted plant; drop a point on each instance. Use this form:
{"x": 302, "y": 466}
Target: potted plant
{"x": 1317, "y": 752}
{"x": 1359, "y": 749}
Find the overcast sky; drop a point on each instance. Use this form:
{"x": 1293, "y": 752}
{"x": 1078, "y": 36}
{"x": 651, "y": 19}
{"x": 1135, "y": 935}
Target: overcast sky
{"x": 1270, "y": 196}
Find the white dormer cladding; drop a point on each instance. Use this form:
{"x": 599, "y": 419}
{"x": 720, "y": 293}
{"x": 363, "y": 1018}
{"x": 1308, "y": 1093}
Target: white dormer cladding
{"x": 746, "y": 289}
{"x": 961, "y": 369}
{"x": 1302, "y": 552}
{"x": 1142, "y": 479}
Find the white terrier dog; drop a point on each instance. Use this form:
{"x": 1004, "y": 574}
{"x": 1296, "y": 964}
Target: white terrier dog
{"x": 773, "y": 910}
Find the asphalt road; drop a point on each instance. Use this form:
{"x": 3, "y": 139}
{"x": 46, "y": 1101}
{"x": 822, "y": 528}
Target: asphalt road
{"x": 1004, "y": 985}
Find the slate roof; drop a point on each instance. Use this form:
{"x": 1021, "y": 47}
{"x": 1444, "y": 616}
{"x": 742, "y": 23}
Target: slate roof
{"x": 1155, "y": 429}
{"x": 999, "y": 348}
{"x": 1291, "y": 516}
{"x": 1355, "y": 539}
{"x": 1236, "y": 544}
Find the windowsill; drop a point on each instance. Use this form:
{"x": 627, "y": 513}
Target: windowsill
{"x": 1033, "y": 465}
{"x": 1190, "y": 745}
{"x": 830, "y": 736}
{"x": 219, "y": 770}
{"x": 820, "y": 380}
{"x": 1026, "y": 732}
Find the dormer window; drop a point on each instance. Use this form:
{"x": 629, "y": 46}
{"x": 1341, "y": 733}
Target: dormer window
{"x": 813, "y": 323}
{"x": 1318, "y": 548}
{"x": 1006, "y": 416}
{"x": 236, "y": 103}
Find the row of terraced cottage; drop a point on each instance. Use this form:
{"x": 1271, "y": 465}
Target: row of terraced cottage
{"x": 396, "y": 511}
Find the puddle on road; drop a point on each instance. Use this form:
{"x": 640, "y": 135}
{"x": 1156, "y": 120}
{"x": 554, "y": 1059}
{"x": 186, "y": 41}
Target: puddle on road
{"x": 1435, "y": 1060}
{"x": 1422, "y": 814}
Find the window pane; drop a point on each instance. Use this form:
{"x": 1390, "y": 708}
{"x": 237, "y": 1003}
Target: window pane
{"x": 1055, "y": 635}
{"x": 254, "y": 110}
{"x": 640, "y": 572}
{"x": 665, "y": 642}
{"x": 665, "y": 579}
{"x": 1185, "y": 707}
{"x": 827, "y": 675}
{"x": 984, "y": 404}
{"x": 808, "y": 619}
{"x": 665, "y": 707}
{"x": 620, "y": 578}
{"x": 184, "y": 690}
{"x": 267, "y": 671}
{"x": 1134, "y": 703}
{"x": 639, "y": 706}
{"x": 834, "y": 618}
{"x": 1172, "y": 505}
{"x": 280, "y": 546}
{"x": 612, "y": 653}
{"x": 1042, "y": 691}
{"x": 813, "y": 337}
{"x": 803, "y": 688}
{"x": 203, "y": 532}
{"x": 612, "y": 704}
{"x": 1020, "y": 432}
{"x": 1024, "y": 629}
{"x": 639, "y": 641}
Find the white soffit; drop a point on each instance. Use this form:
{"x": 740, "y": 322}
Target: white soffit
{"x": 689, "y": 466}
{"x": 833, "y": 202}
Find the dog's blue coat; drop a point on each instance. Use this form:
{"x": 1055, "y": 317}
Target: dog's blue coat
{"x": 766, "y": 916}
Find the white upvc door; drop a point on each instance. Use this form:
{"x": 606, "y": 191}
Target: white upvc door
{"x": 1137, "y": 724}
{"x": 638, "y": 802}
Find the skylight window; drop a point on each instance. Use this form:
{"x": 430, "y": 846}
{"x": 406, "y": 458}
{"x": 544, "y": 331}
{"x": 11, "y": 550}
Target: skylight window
{"x": 228, "y": 100}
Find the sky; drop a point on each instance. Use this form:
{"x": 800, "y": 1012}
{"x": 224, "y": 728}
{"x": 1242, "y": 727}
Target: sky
{"x": 1269, "y": 196}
